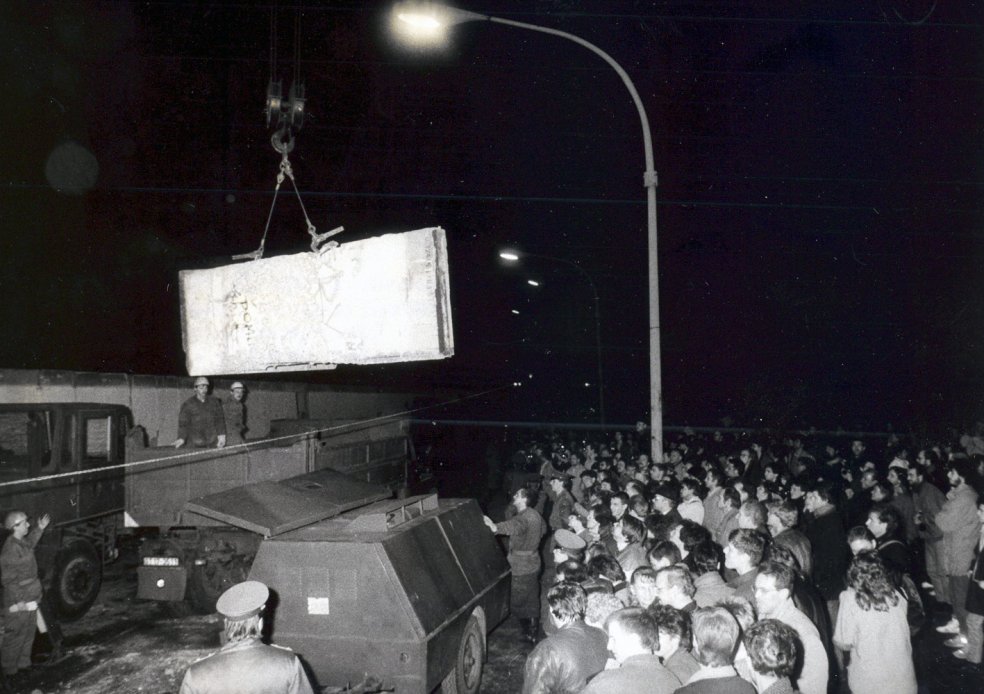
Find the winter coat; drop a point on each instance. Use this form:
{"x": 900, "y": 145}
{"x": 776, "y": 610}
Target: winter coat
{"x": 961, "y": 529}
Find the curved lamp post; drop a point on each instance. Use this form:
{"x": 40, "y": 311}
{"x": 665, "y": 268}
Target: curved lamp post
{"x": 513, "y": 256}
{"x": 429, "y": 22}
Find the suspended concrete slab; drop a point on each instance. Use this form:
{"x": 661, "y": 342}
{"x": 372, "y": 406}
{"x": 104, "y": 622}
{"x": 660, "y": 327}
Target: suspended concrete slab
{"x": 380, "y": 300}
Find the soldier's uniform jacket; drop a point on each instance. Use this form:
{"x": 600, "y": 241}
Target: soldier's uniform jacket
{"x": 19, "y": 569}
{"x": 247, "y": 667}
{"x": 525, "y": 530}
{"x": 200, "y": 423}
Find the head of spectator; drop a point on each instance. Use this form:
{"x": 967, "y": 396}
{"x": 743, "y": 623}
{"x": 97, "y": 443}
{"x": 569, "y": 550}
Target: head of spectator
{"x": 706, "y": 558}
{"x": 628, "y": 530}
{"x": 742, "y": 489}
{"x": 857, "y": 448}
{"x": 660, "y": 471}
{"x": 575, "y": 524}
{"x": 733, "y": 469}
{"x": 675, "y": 587}
{"x": 752, "y": 516}
{"x": 525, "y": 498}
{"x": 784, "y": 555}
{"x": 869, "y": 478}
{"x": 588, "y": 479}
{"x": 820, "y": 499}
{"x": 770, "y": 472}
{"x": 961, "y": 472}
{"x": 772, "y": 652}
{"x": 715, "y": 636}
{"x": 673, "y": 627}
{"x": 873, "y": 587}
{"x": 798, "y": 487}
{"x": 780, "y": 517}
{"x": 566, "y": 602}
{"x": 691, "y": 489}
{"x": 598, "y": 606}
{"x": 896, "y": 478}
{"x": 571, "y": 570}
{"x": 599, "y": 521}
{"x": 741, "y": 609}
{"x": 686, "y": 535}
{"x": 773, "y": 588}
{"x": 881, "y": 491}
{"x": 765, "y": 491}
{"x": 631, "y": 631}
{"x": 633, "y": 488}
{"x": 860, "y": 539}
{"x": 642, "y": 586}
{"x": 666, "y": 496}
{"x": 713, "y": 480}
{"x": 744, "y": 550}
{"x": 619, "y": 505}
{"x": 606, "y": 567}
{"x": 663, "y": 554}
{"x": 638, "y": 506}
{"x": 884, "y": 522}
{"x": 729, "y": 500}
{"x": 238, "y": 391}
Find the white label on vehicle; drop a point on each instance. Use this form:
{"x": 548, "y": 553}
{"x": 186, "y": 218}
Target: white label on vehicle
{"x": 317, "y": 605}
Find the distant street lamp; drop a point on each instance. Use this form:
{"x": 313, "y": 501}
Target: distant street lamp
{"x": 513, "y": 257}
{"x": 429, "y": 22}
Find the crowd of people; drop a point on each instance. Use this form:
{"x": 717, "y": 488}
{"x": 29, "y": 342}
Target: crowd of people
{"x": 740, "y": 564}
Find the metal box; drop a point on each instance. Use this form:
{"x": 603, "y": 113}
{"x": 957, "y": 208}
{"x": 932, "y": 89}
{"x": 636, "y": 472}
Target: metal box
{"x": 404, "y": 591}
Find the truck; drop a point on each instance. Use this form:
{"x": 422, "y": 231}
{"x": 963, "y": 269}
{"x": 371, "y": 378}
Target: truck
{"x": 89, "y": 467}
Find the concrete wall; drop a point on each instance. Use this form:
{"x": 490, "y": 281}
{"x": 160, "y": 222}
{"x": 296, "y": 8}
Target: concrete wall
{"x": 155, "y": 400}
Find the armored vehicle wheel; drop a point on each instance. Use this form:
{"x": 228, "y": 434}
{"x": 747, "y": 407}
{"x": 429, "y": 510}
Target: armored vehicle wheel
{"x": 467, "y": 674}
{"x": 77, "y": 579}
{"x": 208, "y": 581}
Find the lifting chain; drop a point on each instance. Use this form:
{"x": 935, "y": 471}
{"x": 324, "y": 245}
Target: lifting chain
{"x": 283, "y": 142}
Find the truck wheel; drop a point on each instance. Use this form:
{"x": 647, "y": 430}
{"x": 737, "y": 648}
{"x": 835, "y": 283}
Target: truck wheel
{"x": 467, "y": 674}
{"x": 77, "y": 579}
{"x": 208, "y": 581}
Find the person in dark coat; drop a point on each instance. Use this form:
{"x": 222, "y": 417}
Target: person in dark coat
{"x": 673, "y": 644}
{"x": 716, "y": 634}
{"x": 781, "y": 520}
{"x": 771, "y": 648}
{"x": 245, "y": 664}
{"x": 828, "y": 543}
{"x": 525, "y": 531}
{"x": 564, "y": 661}
{"x": 885, "y": 523}
{"x": 632, "y": 638}
{"x": 201, "y": 421}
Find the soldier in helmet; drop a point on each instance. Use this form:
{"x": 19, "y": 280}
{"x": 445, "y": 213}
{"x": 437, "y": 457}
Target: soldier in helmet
{"x": 246, "y": 665}
{"x": 201, "y": 421}
{"x": 235, "y": 414}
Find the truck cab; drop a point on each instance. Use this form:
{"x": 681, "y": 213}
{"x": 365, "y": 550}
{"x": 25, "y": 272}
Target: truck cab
{"x": 64, "y": 459}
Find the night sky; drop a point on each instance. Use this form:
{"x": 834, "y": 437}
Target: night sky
{"x": 821, "y": 170}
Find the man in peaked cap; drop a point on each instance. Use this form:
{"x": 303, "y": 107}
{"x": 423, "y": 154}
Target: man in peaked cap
{"x": 246, "y": 665}
{"x": 201, "y": 421}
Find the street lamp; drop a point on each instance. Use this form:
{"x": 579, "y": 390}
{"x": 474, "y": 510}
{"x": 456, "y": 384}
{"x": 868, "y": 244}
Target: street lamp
{"x": 430, "y": 20}
{"x": 513, "y": 257}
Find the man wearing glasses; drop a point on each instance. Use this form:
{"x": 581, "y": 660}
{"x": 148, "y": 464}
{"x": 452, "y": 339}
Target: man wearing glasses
{"x": 21, "y": 591}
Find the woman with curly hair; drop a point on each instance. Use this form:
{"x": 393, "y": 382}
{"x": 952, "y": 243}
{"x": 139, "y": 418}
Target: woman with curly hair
{"x": 872, "y": 627}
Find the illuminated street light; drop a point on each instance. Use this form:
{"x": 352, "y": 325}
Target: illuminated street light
{"x": 515, "y": 312}
{"x": 509, "y": 255}
{"x": 411, "y": 20}
{"x": 533, "y": 283}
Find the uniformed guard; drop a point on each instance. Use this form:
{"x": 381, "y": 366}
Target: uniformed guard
{"x": 246, "y": 665}
{"x": 525, "y": 531}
